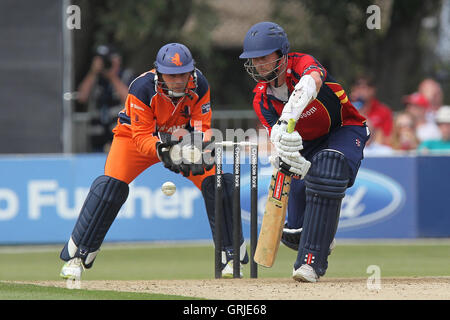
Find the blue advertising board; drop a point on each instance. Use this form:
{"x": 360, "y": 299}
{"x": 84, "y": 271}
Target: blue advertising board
{"x": 381, "y": 202}
{"x": 433, "y": 190}
{"x": 40, "y": 199}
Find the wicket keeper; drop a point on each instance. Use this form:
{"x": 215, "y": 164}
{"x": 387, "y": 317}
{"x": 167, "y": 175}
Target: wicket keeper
{"x": 173, "y": 96}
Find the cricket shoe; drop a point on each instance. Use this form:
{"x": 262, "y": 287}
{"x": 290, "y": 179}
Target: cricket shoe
{"x": 227, "y": 271}
{"x": 305, "y": 273}
{"x": 72, "y": 269}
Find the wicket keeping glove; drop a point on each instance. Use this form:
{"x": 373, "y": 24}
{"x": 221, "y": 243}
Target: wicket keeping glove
{"x": 193, "y": 154}
{"x": 164, "y": 149}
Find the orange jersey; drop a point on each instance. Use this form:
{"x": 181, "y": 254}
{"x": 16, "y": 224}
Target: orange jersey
{"x": 146, "y": 112}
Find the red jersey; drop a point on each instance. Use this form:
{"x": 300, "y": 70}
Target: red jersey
{"x": 331, "y": 108}
{"x": 380, "y": 117}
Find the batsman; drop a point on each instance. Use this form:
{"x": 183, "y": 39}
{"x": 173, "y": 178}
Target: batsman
{"x": 166, "y": 118}
{"x": 324, "y": 151}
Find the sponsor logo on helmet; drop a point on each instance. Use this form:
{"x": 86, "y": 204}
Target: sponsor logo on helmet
{"x": 176, "y": 60}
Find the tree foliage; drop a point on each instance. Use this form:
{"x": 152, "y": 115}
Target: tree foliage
{"x": 139, "y": 28}
{"x": 336, "y": 33}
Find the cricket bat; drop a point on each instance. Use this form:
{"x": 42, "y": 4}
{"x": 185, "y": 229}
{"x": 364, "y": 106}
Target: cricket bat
{"x": 274, "y": 215}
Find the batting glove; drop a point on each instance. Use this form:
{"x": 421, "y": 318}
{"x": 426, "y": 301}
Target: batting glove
{"x": 296, "y": 165}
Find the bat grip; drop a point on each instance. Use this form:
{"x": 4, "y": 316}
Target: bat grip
{"x": 291, "y": 125}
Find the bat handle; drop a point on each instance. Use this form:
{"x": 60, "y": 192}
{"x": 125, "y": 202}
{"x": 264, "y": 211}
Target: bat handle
{"x": 291, "y": 125}
{"x": 290, "y": 129}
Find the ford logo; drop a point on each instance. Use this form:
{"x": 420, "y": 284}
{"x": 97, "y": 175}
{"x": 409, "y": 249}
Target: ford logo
{"x": 373, "y": 198}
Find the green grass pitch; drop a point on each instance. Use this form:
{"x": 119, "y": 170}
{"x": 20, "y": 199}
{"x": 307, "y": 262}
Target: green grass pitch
{"x": 196, "y": 261}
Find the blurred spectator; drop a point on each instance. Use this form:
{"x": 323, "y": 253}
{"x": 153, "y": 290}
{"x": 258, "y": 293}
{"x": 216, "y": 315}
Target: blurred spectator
{"x": 432, "y": 91}
{"x": 443, "y": 144}
{"x": 378, "y": 115}
{"x": 374, "y": 148}
{"x": 404, "y": 132}
{"x": 418, "y": 106}
{"x": 104, "y": 90}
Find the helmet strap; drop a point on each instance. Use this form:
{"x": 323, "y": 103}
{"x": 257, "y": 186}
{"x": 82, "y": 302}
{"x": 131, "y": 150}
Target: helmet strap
{"x": 174, "y": 94}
